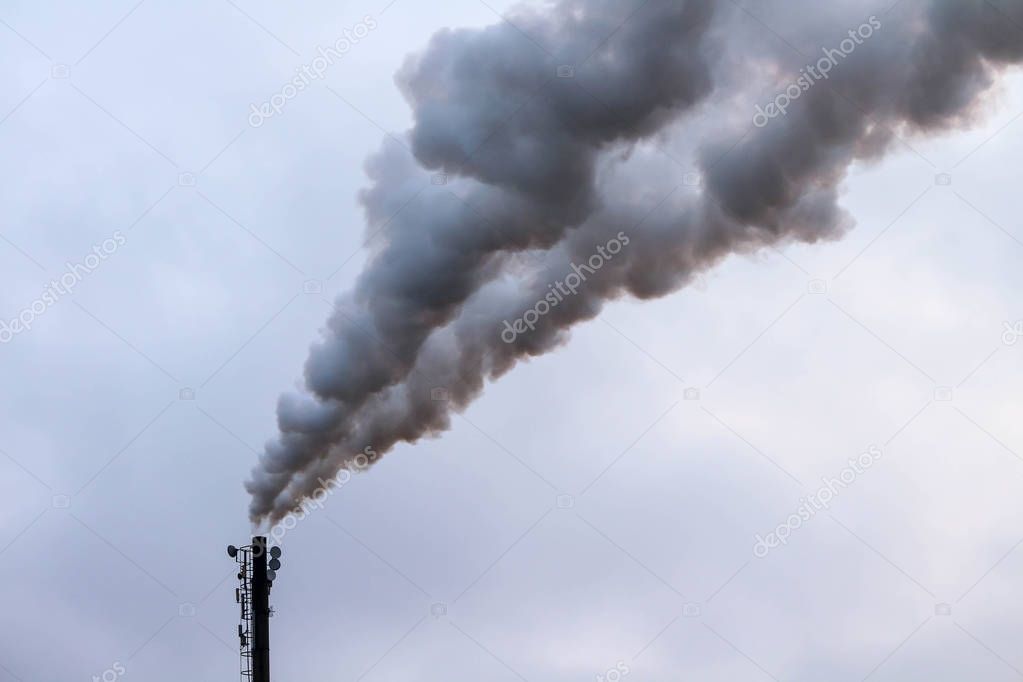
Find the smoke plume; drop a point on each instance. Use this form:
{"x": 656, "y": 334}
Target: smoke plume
{"x": 532, "y": 150}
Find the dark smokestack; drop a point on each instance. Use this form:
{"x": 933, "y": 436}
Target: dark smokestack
{"x": 257, "y": 569}
{"x": 260, "y": 612}
{"x": 532, "y": 134}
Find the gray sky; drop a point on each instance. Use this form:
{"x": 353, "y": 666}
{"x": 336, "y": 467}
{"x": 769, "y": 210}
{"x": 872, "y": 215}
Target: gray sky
{"x": 584, "y": 512}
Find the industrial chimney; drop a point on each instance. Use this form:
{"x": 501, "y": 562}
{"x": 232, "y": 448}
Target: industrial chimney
{"x": 258, "y": 568}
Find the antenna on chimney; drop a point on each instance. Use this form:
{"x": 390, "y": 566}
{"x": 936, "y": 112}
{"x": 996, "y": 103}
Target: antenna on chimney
{"x": 256, "y": 574}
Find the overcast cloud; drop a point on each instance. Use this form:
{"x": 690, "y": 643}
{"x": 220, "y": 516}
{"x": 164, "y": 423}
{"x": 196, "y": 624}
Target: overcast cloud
{"x": 599, "y": 505}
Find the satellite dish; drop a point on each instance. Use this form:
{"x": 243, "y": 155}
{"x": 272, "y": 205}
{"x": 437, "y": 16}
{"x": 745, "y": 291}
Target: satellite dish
{"x": 271, "y": 575}
{"x": 275, "y": 552}
{"x": 232, "y": 551}
{"x": 275, "y": 564}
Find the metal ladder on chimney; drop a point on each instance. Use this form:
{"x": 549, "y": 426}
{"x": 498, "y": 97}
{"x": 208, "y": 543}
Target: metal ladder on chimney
{"x": 243, "y": 596}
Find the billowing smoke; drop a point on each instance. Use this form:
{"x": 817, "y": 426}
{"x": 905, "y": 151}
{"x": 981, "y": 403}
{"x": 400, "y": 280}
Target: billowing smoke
{"x": 526, "y": 199}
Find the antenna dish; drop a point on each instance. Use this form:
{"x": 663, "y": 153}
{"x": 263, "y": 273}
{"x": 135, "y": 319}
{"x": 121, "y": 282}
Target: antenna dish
{"x": 271, "y": 575}
{"x": 275, "y": 552}
{"x": 275, "y": 564}
{"x": 232, "y": 551}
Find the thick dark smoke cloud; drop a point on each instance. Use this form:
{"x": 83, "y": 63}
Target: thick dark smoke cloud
{"x": 535, "y": 164}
